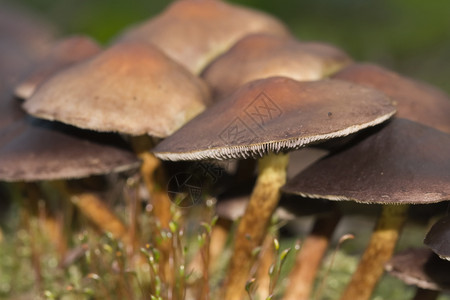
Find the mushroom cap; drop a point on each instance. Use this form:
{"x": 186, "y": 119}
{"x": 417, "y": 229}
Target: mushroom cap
{"x": 438, "y": 238}
{"x": 273, "y": 115}
{"x": 403, "y": 162}
{"x": 415, "y": 100}
{"x": 63, "y": 54}
{"x": 130, "y": 88}
{"x": 194, "y": 32}
{"x": 33, "y": 149}
{"x": 9, "y": 113}
{"x": 420, "y": 267}
{"x": 260, "y": 56}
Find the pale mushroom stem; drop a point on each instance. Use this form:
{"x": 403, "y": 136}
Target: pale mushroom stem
{"x": 378, "y": 252}
{"x": 424, "y": 294}
{"x": 303, "y": 274}
{"x": 253, "y": 225}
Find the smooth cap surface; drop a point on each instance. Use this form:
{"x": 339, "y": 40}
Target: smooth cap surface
{"x": 438, "y": 238}
{"x": 130, "y": 88}
{"x": 415, "y": 100}
{"x": 33, "y": 149}
{"x": 194, "y": 32}
{"x": 260, "y": 56}
{"x": 420, "y": 267}
{"x": 403, "y": 162}
{"x": 63, "y": 54}
{"x": 276, "y": 114}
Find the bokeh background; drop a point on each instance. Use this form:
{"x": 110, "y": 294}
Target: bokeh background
{"x": 409, "y": 36}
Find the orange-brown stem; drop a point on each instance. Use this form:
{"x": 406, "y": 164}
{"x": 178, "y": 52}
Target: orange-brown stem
{"x": 96, "y": 211}
{"x": 252, "y": 228}
{"x": 378, "y": 252}
{"x": 302, "y": 276}
{"x": 154, "y": 178}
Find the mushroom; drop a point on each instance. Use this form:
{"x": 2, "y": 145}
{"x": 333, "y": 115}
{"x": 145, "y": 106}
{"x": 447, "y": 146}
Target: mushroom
{"x": 265, "y": 118}
{"x": 416, "y": 101}
{"x": 132, "y": 88}
{"x": 117, "y": 89}
{"x": 437, "y": 238}
{"x": 63, "y": 54}
{"x": 259, "y": 56}
{"x": 135, "y": 89}
{"x": 422, "y": 268}
{"x": 402, "y": 162}
{"x": 33, "y": 150}
{"x": 194, "y": 32}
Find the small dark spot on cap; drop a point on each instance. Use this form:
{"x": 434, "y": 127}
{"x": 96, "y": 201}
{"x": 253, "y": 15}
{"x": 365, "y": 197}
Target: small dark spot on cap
{"x": 330, "y": 113}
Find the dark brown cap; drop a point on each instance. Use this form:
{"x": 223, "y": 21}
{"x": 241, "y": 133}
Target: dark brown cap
{"x": 415, "y": 100}
{"x": 420, "y": 267}
{"x": 260, "y": 56}
{"x": 130, "y": 88}
{"x": 194, "y": 32}
{"x": 402, "y": 162}
{"x": 63, "y": 54}
{"x": 33, "y": 149}
{"x": 438, "y": 238}
{"x": 276, "y": 114}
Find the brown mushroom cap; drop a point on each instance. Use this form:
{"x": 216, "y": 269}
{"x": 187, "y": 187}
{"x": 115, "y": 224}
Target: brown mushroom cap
{"x": 33, "y": 149}
{"x": 402, "y": 162}
{"x": 415, "y": 100}
{"x": 194, "y": 32}
{"x": 438, "y": 238}
{"x": 8, "y": 110}
{"x": 63, "y": 54}
{"x": 130, "y": 88}
{"x": 274, "y": 115}
{"x": 260, "y": 56}
{"x": 420, "y": 267}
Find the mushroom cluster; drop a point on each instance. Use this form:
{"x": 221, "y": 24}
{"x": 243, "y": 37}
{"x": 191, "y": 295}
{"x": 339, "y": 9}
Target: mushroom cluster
{"x": 209, "y": 80}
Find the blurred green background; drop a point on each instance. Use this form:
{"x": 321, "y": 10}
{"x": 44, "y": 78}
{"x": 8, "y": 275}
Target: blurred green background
{"x": 409, "y": 36}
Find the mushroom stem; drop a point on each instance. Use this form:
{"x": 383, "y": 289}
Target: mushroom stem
{"x": 96, "y": 211}
{"x": 424, "y": 294}
{"x": 378, "y": 252}
{"x": 154, "y": 179}
{"x": 252, "y": 228}
{"x": 302, "y": 276}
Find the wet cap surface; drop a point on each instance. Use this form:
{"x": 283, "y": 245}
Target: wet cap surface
{"x": 129, "y": 88}
{"x": 260, "y": 56}
{"x": 194, "y": 32}
{"x": 420, "y": 267}
{"x": 415, "y": 100}
{"x": 438, "y": 238}
{"x": 276, "y": 114}
{"x": 402, "y": 162}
